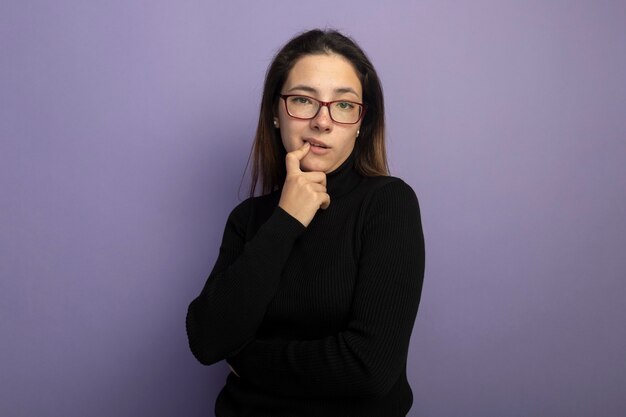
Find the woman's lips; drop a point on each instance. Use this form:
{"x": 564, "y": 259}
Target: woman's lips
{"x": 317, "y": 147}
{"x": 318, "y": 143}
{"x": 317, "y": 150}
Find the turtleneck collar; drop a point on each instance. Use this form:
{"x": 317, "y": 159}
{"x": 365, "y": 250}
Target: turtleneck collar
{"x": 344, "y": 179}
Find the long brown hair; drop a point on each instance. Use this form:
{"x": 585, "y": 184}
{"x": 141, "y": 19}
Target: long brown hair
{"x": 268, "y": 153}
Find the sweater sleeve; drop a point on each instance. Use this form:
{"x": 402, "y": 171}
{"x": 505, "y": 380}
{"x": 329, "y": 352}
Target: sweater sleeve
{"x": 368, "y": 357}
{"x": 228, "y": 311}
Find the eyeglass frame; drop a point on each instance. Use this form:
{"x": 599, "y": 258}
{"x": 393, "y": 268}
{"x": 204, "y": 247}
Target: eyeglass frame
{"x": 327, "y": 104}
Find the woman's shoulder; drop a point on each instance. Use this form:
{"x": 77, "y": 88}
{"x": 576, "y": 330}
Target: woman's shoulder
{"x": 383, "y": 185}
{"x": 381, "y": 180}
{"x": 390, "y": 193}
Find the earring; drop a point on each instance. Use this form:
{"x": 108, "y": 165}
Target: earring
{"x": 276, "y": 123}
{"x": 357, "y": 133}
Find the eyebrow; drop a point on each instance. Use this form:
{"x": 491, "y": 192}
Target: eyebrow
{"x": 340, "y": 90}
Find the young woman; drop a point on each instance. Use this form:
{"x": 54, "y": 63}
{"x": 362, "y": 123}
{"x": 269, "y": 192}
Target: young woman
{"x": 314, "y": 294}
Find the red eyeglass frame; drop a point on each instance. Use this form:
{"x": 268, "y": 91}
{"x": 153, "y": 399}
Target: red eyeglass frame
{"x": 324, "y": 104}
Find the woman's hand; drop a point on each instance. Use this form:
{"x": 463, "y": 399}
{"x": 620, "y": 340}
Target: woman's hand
{"x": 304, "y": 192}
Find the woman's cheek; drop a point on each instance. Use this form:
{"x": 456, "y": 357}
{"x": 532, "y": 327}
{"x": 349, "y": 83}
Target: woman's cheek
{"x": 289, "y": 143}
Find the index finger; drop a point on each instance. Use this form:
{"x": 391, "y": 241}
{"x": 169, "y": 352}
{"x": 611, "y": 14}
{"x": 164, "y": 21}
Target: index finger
{"x": 293, "y": 158}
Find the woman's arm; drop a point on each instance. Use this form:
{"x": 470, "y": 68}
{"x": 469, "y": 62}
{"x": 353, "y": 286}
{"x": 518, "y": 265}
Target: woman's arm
{"x": 370, "y": 354}
{"x": 228, "y": 311}
{"x": 232, "y": 304}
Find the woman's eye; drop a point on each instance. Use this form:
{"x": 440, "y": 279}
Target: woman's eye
{"x": 301, "y": 100}
{"x": 345, "y": 105}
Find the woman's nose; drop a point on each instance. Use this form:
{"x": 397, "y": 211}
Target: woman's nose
{"x": 322, "y": 120}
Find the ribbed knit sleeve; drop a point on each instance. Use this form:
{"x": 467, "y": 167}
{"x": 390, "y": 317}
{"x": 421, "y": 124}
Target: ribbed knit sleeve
{"x": 228, "y": 311}
{"x": 368, "y": 357}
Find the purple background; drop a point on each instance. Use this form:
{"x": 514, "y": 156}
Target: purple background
{"x": 125, "y": 128}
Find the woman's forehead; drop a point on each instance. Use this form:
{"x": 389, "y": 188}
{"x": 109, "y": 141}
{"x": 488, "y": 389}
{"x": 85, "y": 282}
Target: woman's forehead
{"x": 324, "y": 73}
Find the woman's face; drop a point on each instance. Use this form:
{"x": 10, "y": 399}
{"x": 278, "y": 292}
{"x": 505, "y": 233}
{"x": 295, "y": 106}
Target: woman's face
{"x": 326, "y": 77}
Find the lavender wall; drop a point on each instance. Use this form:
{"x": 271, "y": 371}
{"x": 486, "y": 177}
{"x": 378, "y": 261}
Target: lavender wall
{"x": 125, "y": 128}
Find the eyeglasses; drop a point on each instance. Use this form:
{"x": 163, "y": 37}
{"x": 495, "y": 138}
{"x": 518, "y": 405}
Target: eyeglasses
{"x": 340, "y": 111}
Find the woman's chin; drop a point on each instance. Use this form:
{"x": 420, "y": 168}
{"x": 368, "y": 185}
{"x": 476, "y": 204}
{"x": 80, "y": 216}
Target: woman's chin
{"x": 308, "y": 165}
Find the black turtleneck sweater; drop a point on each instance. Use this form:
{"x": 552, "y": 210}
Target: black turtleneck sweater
{"x": 316, "y": 321}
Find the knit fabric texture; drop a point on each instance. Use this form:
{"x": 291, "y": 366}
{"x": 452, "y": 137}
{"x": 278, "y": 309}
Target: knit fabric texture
{"x": 315, "y": 321}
